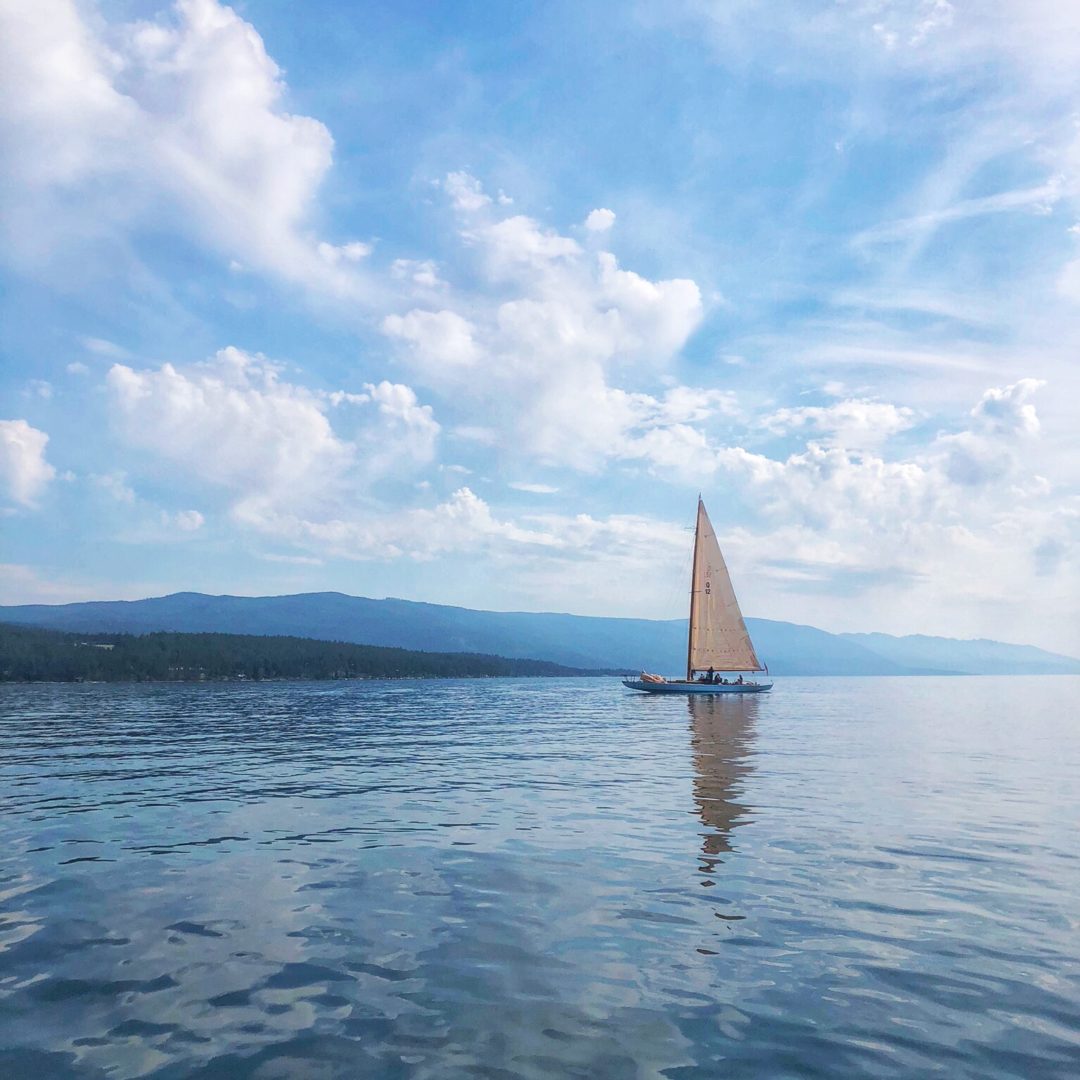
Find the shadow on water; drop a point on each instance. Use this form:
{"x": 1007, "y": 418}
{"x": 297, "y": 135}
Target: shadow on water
{"x": 721, "y": 740}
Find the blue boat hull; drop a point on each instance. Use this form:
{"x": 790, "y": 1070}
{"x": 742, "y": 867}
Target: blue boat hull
{"x": 697, "y": 687}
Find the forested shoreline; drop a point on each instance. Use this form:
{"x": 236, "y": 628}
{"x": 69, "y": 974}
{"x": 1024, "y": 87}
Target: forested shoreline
{"x": 37, "y": 655}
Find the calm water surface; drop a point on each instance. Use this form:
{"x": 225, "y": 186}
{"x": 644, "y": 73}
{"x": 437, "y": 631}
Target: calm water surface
{"x": 540, "y": 878}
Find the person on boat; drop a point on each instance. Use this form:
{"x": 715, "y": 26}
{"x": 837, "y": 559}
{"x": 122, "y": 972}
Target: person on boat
{"x": 711, "y": 677}
{"x": 739, "y": 680}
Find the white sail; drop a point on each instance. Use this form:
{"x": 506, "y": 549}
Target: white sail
{"x": 718, "y": 636}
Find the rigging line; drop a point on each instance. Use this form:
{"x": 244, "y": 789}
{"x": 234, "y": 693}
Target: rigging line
{"x": 677, "y": 592}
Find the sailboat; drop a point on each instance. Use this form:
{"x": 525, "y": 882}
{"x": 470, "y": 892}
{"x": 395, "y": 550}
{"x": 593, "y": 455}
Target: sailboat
{"x": 719, "y": 641}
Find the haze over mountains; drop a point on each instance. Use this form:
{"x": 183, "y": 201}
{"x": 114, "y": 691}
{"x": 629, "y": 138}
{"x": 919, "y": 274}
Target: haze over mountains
{"x": 573, "y": 640}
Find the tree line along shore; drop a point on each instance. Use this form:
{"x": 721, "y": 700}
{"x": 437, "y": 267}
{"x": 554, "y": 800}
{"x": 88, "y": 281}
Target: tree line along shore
{"x": 37, "y": 655}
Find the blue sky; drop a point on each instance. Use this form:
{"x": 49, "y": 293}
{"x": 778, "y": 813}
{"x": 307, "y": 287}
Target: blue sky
{"x": 467, "y": 302}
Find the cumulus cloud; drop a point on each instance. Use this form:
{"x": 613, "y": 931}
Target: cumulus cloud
{"x": 1006, "y": 410}
{"x": 548, "y": 330}
{"x": 831, "y": 488}
{"x": 987, "y": 452}
{"x": 440, "y": 340}
{"x": 184, "y": 116}
{"x": 971, "y": 459}
{"x": 519, "y": 243}
{"x": 854, "y": 424}
{"x": 232, "y": 420}
{"x": 466, "y": 192}
{"x": 600, "y": 220}
{"x": 24, "y": 472}
{"x": 964, "y": 520}
{"x": 234, "y": 423}
{"x": 845, "y": 479}
{"x": 406, "y": 431}
{"x": 422, "y": 272}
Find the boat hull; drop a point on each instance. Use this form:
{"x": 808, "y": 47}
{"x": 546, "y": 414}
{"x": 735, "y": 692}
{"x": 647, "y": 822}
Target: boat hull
{"x": 696, "y": 687}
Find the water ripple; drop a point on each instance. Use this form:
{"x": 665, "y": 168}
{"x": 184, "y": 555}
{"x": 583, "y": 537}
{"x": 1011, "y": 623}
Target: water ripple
{"x": 537, "y": 878}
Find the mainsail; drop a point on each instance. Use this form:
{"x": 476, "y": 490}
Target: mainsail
{"x": 718, "y": 636}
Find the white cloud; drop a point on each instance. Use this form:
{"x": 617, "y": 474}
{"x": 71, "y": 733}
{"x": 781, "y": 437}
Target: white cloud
{"x": 535, "y": 346}
{"x": 1006, "y": 410}
{"x": 656, "y": 315}
{"x": 77, "y": 368}
{"x": 1012, "y": 146}
{"x": 676, "y": 452}
{"x": 24, "y": 472}
{"x": 590, "y": 560}
{"x": 534, "y": 489}
{"x": 184, "y": 520}
{"x": 235, "y": 424}
{"x": 689, "y": 404}
{"x": 147, "y": 523}
{"x": 441, "y": 340}
{"x": 101, "y": 347}
{"x": 519, "y": 243}
{"x": 406, "y": 432}
{"x": 232, "y": 421}
{"x": 600, "y": 220}
{"x": 352, "y": 252}
{"x": 1038, "y": 199}
{"x": 1036, "y": 38}
{"x": 565, "y": 561}
{"x": 39, "y": 388}
{"x": 463, "y": 523}
{"x": 184, "y": 116}
{"x": 971, "y": 459}
{"x": 961, "y": 526}
{"x": 465, "y": 192}
{"x": 115, "y": 485}
{"x": 853, "y": 424}
{"x": 832, "y": 488}
{"x": 845, "y": 481}
{"x": 422, "y": 272}
{"x": 987, "y": 452}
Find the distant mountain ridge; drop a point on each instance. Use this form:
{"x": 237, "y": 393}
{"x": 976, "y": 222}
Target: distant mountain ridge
{"x": 579, "y": 641}
{"x": 41, "y": 654}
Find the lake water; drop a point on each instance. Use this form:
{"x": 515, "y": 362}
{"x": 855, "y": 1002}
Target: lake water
{"x": 540, "y": 878}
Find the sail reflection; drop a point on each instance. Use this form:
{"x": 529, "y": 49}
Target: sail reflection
{"x": 721, "y": 738}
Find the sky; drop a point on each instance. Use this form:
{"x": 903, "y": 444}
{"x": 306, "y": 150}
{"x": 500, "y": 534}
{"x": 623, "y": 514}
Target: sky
{"x": 467, "y": 302}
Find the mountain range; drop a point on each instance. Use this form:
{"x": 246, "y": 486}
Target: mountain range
{"x": 573, "y": 640}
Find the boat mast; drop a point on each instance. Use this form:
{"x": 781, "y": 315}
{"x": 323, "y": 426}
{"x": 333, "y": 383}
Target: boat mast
{"x": 693, "y": 576}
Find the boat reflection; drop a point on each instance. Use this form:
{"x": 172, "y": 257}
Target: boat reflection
{"x": 721, "y": 739}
